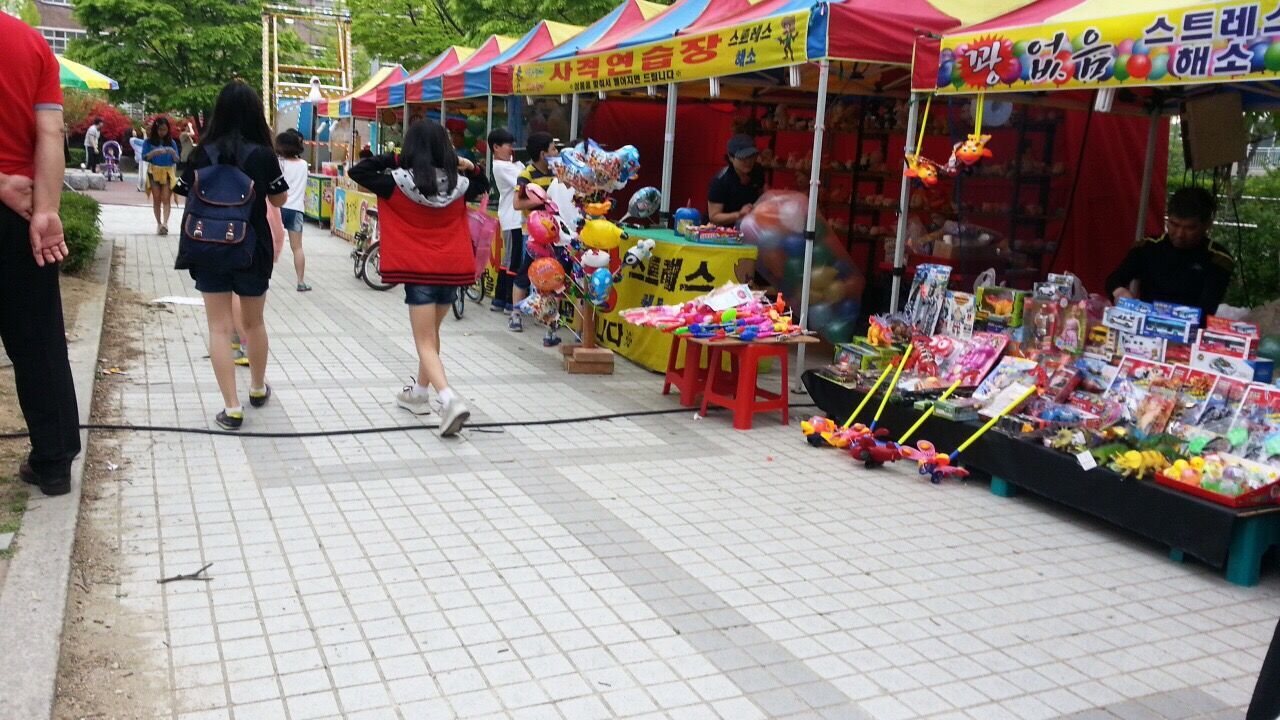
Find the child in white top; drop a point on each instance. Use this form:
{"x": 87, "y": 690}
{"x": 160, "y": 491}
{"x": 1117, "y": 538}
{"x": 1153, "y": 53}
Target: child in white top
{"x": 289, "y": 149}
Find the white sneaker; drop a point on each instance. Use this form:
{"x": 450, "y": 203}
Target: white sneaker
{"x": 414, "y": 403}
{"x": 453, "y": 416}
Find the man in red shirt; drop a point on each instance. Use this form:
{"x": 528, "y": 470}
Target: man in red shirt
{"x": 31, "y": 245}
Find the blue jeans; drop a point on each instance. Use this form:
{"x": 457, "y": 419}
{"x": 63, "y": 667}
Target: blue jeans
{"x": 291, "y": 219}
{"x": 430, "y": 294}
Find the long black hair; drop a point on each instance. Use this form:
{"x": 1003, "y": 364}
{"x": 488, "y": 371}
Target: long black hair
{"x": 153, "y": 135}
{"x": 428, "y": 148}
{"x": 289, "y": 145}
{"x": 238, "y": 118}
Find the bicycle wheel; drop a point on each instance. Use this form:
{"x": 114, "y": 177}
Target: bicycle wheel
{"x": 459, "y": 305}
{"x": 372, "y": 269}
{"x": 357, "y": 259}
{"x": 475, "y": 291}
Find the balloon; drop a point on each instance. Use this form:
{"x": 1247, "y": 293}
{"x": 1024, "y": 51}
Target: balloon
{"x": 1271, "y": 59}
{"x": 1139, "y": 48}
{"x": 820, "y": 315}
{"x": 821, "y": 277}
{"x": 543, "y": 308}
{"x": 542, "y": 228}
{"x": 848, "y": 308}
{"x": 944, "y": 72}
{"x": 601, "y": 235}
{"x": 793, "y": 271}
{"x": 600, "y": 285}
{"x": 1259, "y": 50}
{"x": 822, "y": 255}
{"x": 546, "y": 275}
{"x": 1122, "y": 67}
{"x": 958, "y": 82}
{"x": 1159, "y": 67}
{"x": 1020, "y": 48}
{"x": 1125, "y": 47}
{"x": 1068, "y": 69}
{"x": 793, "y": 245}
{"x": 644, "y": 202}
{"x": 1026, "y": 71}
{"x": 837, "y": 331}
{"x": 476, "y": 125}
{"x": 1139, "y": 66}
{"x": 1077, "y": 42}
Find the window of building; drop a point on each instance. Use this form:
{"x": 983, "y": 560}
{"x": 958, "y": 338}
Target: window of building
{"x": 63, "y": 3}
{"x": 58, "y": 38}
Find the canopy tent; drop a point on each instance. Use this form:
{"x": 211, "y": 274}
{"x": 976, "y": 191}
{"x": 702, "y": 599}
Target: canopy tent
{"x": 72, "y": 74}
{"x": 394, "y": 95}
{"x": 622, "y": 19}
{"x": 495, "y": 76}
{"x": 430, "y": 88}
{"x": 360, "y": 102}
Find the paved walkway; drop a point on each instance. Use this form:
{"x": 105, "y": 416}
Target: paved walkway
{"x": 659, "y": 567}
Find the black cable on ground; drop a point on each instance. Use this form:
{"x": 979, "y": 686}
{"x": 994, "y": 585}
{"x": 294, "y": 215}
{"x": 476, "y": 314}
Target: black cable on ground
{"x": 378, "y": 430}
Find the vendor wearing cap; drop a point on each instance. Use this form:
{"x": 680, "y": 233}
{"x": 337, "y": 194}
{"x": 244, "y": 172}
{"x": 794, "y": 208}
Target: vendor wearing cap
{"x": 1183, "y": 266}
{"x": 735, "y": 188}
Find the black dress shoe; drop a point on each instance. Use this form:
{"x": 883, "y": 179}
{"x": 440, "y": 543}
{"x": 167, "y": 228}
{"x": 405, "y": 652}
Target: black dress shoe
{"x": 49, "y": 486}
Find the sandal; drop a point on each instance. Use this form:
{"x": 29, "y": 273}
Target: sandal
{"x": 303, "y": 287}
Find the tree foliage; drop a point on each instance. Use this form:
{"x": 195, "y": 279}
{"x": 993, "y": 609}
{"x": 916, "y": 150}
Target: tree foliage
{"x": 115, "y": 124}
{"x": 412, "y": 31}
{"x": 172, "y": 54}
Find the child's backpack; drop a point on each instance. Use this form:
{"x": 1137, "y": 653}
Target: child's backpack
{"x": 216, "y": 230}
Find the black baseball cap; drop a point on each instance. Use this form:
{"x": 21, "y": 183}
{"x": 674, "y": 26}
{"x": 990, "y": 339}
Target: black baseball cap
{"x": 742, "y": 147}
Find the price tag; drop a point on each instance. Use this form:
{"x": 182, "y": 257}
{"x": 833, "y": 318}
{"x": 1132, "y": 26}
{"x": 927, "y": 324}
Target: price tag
{"x": 1085, "y": 458}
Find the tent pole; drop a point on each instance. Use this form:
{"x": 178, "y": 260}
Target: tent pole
{"x": 1148, "y": 168}
{"x": 488, "y": 129}
{"x": 811, "y": 217}
{"x": 668, "y": 153}
{"x": 406, "y": 122}
{"x": 442, "y": 118}
{"x": 573, "y": 118}
{"x": 904, "y": 202}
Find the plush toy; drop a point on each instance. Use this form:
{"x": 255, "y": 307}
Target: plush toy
{"x": 973, "y": 149}
{"x": 922, "y": 169}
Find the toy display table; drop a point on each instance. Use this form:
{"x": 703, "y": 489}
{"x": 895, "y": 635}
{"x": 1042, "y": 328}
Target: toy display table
{"x": 1223, "y": 537}
{"x": 678, "y": 271}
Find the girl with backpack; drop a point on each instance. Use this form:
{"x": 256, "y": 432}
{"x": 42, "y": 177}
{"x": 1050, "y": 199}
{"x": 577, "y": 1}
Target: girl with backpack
{"x": 226, "y": 241}
{"x": 426, "y": 245}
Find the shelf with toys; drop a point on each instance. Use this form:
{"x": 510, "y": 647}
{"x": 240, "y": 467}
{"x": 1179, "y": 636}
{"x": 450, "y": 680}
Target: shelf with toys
{"x": 1148, "y": 415}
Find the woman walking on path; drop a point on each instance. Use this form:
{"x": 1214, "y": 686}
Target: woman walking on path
{"x": 161, "y": 153}
{"x": 289, "y": 149}
{"x": 238, "y": 134}
{"x": 426, "y": 244}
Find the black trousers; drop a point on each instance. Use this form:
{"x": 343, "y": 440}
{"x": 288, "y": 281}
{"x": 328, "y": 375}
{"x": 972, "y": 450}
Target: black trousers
{"x": 1266, "y": 694}
{"x": 34, "y": 337}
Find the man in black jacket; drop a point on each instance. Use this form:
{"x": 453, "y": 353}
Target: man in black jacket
{"x": 1184, "y": 265}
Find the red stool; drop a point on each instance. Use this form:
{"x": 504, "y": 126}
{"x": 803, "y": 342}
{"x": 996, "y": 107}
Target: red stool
{"x": 745, "y": 399}
{"x": 688, "y": 379}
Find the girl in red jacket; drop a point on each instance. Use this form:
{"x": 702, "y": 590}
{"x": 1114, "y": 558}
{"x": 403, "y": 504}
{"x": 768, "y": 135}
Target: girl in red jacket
{"x": 426, "y": 245}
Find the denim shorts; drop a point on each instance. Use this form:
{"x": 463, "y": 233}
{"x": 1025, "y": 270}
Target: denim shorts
{"x": 221, "y": 281}
{"x": 292, "y": 219}
{"x": 430, "y": 294}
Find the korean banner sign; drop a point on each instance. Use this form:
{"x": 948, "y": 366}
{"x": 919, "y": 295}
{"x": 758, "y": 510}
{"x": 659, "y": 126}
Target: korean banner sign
{"x": 1214, "y": 42}
{"x": 768, "y": 43}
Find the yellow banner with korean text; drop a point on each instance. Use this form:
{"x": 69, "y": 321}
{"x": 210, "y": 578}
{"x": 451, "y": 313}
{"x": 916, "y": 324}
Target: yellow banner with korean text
{"x": 767, "y": 43}
{"x": 1206, "y": 43}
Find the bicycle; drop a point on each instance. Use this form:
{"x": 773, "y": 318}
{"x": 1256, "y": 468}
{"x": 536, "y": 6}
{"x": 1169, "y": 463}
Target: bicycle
{"x": 474, "y": 291}
{"x": 366, "y": 255}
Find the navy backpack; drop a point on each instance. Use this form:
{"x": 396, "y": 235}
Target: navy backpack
{"x": 217, "y": 233}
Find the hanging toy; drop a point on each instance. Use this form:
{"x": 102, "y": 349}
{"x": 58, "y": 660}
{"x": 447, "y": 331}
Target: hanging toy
{"x": 597, "y": 210}
{"x": 974, "y": 147}
{"x": 922, "y": 169}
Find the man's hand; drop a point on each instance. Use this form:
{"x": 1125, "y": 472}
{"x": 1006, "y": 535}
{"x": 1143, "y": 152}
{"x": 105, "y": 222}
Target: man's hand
{"x": 465, "y": 165}
{"x": 47, "y": 242}
{"x": 15, "y": 193}
{"x": 745, "y": 211}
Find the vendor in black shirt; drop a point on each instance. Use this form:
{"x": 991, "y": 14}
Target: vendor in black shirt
{"x": 735, "y": 188}
{"x": 1183, "y": 266}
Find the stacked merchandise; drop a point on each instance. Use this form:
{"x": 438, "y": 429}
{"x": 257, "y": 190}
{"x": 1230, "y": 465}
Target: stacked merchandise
{"x": 1148, "y": 389}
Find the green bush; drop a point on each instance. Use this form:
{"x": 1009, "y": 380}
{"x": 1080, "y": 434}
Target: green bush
{"x": 80, "y": 227}
{"x": 76, "y": 159}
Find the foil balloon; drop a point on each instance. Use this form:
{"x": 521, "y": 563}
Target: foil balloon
{"x": 546, "y": 275}
{"x": 601, "y": 282}
{"x": 644, "y": 203}
{"x": 542, "y": 228}
{"x": 601, "y": 235}
{"x": 594, "y": 259}
{"x": 640, "y": 252}
{"x": 544, "y": 308}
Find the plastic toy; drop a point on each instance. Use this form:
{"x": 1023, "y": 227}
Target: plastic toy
{"x": 1138, "y": 463}
{"x": 973, "y": 149}
{"x": 873, "y": 451}
{"x": 815, "y": 427}
{"x": 925, "y": 415}
{"x": 922, "y": 169}
{"x": 941, "y": 466}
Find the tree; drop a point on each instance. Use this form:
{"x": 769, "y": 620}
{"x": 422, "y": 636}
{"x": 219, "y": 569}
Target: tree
{"x": 172, "y": 54}
{"x": 115, "y": 124}
{"x": 24, "y": 10}
{"x": 412, "y": 32}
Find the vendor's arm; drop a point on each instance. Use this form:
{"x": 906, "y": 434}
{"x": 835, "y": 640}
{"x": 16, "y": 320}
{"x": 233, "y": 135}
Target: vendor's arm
{"x": 1120, "y": 281}
{"x": 371, "y": 174}
{"x": 1217, "y": 277}
{"x": 717, "y": 215}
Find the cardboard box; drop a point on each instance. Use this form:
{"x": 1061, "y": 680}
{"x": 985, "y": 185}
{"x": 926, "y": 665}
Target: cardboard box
{"x": 1001, "y": 304}
{"x": 1228, "y": 365}
{"x": 1126, "y": 321}
{"x": 1182, "y": 312}
{"x": 1135, "y": 305}
{"x": 1237, "y": 327}
{"x": 1168, "y": 327}
{"x": 1224, "y": 343}
{"x": 1147, "y": 348}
